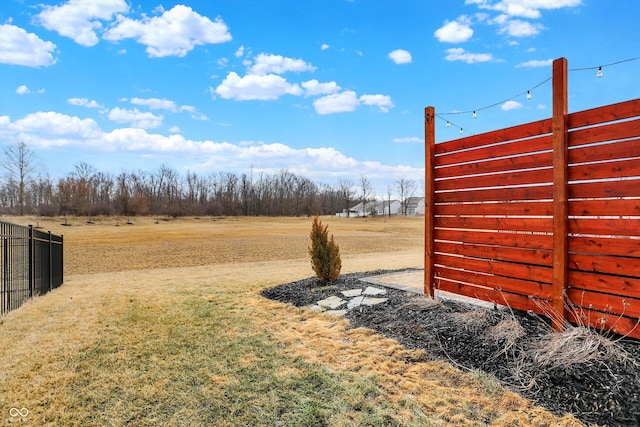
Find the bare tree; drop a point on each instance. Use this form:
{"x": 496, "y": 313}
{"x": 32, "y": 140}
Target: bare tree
{"x": 389, "y": 192}
{"x": 20, "y": 164}
{"x": 365, "y": 186}
{"x": 406, "y": 188}
{"x": 346, "y": 191}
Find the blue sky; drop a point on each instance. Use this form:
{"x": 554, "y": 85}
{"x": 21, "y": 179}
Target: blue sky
{"x": 328, "y": 89}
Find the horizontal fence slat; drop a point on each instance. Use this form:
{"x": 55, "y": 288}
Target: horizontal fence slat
{"x": 543, "y": 242}
{"x": 605, "y": 283}
{"x": 500, "y": 253}
{"x": 608, "y": 113}
{"x": 606, "y": 170}
{"x": 603, "y": 152}
{"x": 605, "y": 207}
{"x": 515, "y": 208}
{"x": 526, "y": 130}
{"x": 605, "y": 246}
{"x": 607, "y": 264}
{"x": 542, "y": 225}
{"x": 496, "y": 194}
{"x": 538, "y": 160}
{"x": 617, "y": 188}
{"x": 515, "y": 301}
{"x": 609, "y": 132}
{"x": 499, "y": 268}
{"x": 497, "y": 283}
{"x": 615, "y": 304}
{"x": 525, "y": 177}
{"x": 497, "y": 150}
{"x": 605, "y": 322}
{"x": 605, "y": 226}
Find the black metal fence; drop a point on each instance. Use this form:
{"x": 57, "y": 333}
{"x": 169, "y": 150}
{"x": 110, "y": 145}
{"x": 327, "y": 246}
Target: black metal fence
{"x": 31, "y": 262}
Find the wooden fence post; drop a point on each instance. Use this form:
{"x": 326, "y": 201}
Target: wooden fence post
{"x": 429, "y": 164}
{"x": 560, "y": 191}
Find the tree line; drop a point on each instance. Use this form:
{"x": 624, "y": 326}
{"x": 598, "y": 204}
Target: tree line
{"x": 86, "y": 191}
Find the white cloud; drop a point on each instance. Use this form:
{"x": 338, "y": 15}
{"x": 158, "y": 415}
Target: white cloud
{"x": 524, "y": 8}
{"x": 255, "y": 87}
{"x": 136, "y": 118}
{"x": 324, "y": 46}
{"x": 22, "y": 90}
{"x": 344, "y": 102}
{"x": 17, "y": 47}
{"x": 314, "y": 87}
{"x": 511, "y": 105}
{"x": 518, "y": 28}
{"x": 457, "y": 31}
{"x": 174, "y": 33}
{"x": 239, "y": 52}
{"x": 84, "y": 102}
{"x": 47, "y": 129}
{"x": 156, "y": 104}
{"x": 411, "y": 139}
{"x": 400, "y": 56}
{"x": 534, "y": 63}
{"x": 52, "y": 125}
{"x": 267, "y": 63}
{"x": 80, "y": 19}
{"x": 459, "y": 54}
{"x": 383, "y": 102}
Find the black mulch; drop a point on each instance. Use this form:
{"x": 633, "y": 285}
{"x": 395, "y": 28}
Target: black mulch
{"x": 603, "y": 390}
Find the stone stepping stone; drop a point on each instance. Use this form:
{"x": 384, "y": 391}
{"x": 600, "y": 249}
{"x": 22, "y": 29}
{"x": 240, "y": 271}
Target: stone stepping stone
{"x": 374, "y": 291}
{"x": 374, "y": 301}
{"x": 355, "y": 302}
{"x": 352, "y": 293}
{"x": 331, "y": 303}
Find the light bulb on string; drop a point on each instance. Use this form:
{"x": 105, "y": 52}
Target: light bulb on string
{"x": 475, "y": 115}
{"x": 528, "y": 94}
{"x": 448, "y": 124}
{"x": 460, "y": 131}
{"x": 599, "y": 73}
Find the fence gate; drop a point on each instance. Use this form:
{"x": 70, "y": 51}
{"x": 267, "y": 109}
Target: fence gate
{"x": 31, "y": 264}
{"x": 543, "y": 216}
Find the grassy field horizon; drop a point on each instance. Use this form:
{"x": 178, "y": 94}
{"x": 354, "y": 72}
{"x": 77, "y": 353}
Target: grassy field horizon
{"x": 162, "y": 323}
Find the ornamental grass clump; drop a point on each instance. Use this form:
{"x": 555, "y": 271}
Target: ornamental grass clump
{"x": 324, "y": 253}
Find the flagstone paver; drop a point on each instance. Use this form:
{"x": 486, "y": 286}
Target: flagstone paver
{"x": 332, "y": 302}
{"x": 374, "y": 291}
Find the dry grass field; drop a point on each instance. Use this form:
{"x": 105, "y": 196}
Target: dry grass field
{"x": 162, "y": 323}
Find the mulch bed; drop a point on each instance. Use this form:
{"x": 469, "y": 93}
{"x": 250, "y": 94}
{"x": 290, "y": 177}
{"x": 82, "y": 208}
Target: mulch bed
{"x": 595, "y": 378}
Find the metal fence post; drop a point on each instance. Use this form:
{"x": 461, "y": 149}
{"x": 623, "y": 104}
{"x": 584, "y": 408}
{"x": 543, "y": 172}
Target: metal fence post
{"x": 31, "y": 261}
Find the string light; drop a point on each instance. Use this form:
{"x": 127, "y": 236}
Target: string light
{"x": 528, "y": 94}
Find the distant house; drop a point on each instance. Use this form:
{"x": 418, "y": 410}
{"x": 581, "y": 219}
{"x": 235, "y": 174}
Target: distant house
{"x": 415, "y": 206}
{"x": 373, "y": 207}
{"x": 387, "y": 207}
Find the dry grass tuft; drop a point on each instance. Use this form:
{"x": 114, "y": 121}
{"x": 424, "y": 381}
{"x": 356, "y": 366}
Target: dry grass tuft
{"x": 507, "y": 332}
{"x": 575, "y": 345}
{"x": 474, "y": 321}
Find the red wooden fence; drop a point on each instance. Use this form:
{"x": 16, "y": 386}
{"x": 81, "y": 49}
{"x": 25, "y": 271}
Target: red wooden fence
{"x": 543, "y": 216}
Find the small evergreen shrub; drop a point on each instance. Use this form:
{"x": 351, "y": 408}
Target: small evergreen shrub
{"x": 324, "y": 253}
